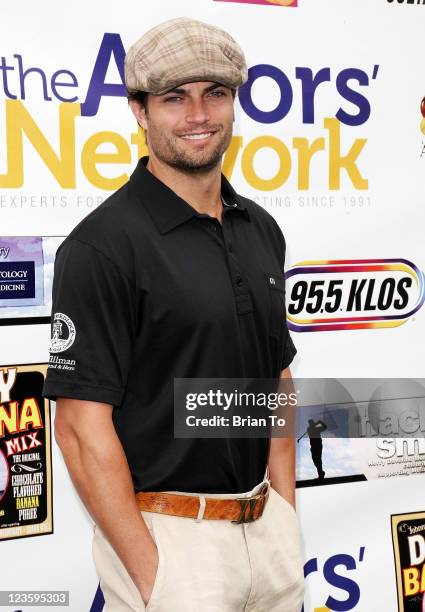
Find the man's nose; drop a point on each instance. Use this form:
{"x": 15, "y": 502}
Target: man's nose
{"x": 198, "y": 111}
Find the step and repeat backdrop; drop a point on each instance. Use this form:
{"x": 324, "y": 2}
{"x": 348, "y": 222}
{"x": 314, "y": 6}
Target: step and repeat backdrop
{"x": 329, "y": 137}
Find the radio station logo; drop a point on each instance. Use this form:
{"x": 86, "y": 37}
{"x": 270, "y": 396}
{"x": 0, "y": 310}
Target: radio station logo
{"x": 275, "y": 2}
{"x": 408, "y": 533}
{"x": 333, "y": 295}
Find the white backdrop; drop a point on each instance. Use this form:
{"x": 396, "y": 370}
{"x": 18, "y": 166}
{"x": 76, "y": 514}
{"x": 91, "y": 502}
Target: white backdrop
{"x": 379, "y": 215}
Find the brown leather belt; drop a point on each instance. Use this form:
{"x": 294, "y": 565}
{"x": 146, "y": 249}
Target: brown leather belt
{"x": 237, "y": 510}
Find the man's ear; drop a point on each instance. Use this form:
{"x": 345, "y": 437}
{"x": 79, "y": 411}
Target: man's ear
{"x": 139, "y": 112}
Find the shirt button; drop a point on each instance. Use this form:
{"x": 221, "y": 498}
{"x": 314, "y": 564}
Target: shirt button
{"x": 214, "y": 227}
{"x": 239, "y": 280}
{"x": 230, "y": 248}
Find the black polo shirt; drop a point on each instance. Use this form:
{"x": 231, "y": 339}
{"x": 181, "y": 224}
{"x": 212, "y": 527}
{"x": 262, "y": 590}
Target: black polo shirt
{"x": 147, "y": 289}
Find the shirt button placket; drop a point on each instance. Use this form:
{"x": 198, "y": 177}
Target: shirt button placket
{"x": 240, "y": 288}
{"x": 233, "y": 271}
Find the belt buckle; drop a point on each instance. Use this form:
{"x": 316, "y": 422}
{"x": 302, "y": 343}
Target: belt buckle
{"x": 249, "y": 504}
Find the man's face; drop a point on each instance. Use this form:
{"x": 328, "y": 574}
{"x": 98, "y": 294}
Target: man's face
{"x": 189, "y": 127}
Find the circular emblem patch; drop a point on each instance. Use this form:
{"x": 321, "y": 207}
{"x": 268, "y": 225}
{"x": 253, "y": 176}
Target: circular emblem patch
{"x": 63, "y": 333}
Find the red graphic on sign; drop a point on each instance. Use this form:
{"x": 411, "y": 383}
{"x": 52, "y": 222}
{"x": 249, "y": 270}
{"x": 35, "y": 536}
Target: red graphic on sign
{"x": 292, "y": 3}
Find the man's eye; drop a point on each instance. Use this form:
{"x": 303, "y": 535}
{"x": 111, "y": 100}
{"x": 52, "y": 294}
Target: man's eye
{"x": 173, "y": 99}
{"x": 218, "y": 94}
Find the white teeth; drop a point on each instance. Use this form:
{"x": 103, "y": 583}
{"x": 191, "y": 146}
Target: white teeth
{"x": 197, "y": 136}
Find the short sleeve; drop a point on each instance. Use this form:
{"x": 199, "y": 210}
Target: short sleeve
{"x": 92, "y": 326}
{"x": 289, "y": 349}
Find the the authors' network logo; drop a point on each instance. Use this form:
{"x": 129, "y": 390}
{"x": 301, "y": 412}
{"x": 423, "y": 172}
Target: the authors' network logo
{"x": 275, "y": 2}
{"x": 341, "y": 294}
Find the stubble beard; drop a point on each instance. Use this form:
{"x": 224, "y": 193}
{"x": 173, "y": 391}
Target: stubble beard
{"x": 200, "y": 162}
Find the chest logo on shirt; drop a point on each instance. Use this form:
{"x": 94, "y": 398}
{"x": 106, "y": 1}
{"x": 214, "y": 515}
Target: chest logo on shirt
{"x": 63, "y": 333}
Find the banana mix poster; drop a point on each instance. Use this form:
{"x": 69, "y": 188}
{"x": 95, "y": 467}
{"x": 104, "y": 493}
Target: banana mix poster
{"x": 25, "y": 453}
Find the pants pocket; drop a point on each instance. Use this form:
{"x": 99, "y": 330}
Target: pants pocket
{"x": 119, "y": 590}
{"x": 289, "y": 507}
{"x": 157, "y": 585}
{"x": 288, "y": 535}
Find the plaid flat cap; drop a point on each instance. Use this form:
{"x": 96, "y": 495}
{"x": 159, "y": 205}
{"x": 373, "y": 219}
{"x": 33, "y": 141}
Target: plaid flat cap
{"x": 180, "y": 51}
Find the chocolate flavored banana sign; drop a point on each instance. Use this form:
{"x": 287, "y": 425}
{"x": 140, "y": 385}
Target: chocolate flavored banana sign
{"x": 25, "y": 453}
{"x": 409, "y": 552}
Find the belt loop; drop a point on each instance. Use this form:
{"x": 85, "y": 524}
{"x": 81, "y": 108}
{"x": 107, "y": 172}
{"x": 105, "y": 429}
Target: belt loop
{"x": 201, "y": 510}
{"x": 267, "y": 480}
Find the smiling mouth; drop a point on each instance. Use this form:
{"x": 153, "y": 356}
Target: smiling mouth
{"x": 198, "y": 136}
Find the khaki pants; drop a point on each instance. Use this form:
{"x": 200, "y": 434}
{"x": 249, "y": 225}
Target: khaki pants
{"x": 213, "y": 565}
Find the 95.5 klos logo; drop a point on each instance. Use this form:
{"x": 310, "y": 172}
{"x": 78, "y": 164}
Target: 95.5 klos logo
{"x": 342, "y": 294}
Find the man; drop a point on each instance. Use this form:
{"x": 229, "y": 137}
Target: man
{"x": 177, "y": 276}
{"x": 314, "y": 431}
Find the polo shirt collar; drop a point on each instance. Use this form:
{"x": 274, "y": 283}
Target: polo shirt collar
{"x": 166, "y": 208}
